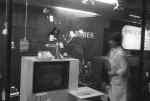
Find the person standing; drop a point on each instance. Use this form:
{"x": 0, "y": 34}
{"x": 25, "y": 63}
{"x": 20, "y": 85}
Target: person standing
{"x": 117, "y": 69}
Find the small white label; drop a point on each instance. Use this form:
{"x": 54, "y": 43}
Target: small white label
{"x": 24, "y": 45}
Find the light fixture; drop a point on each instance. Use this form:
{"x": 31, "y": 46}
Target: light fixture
{"x": 111, "y": 2}
{"x": 24, "y": 43}
{"x": 108, "y": 1}
{"x": 76, "y": 12}
{"x": 5, "y": 29}
{"x": 88, "y": 2}
{"x": 85, "y": 1}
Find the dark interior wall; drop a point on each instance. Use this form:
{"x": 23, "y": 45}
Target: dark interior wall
{"x": 38, "y": 28}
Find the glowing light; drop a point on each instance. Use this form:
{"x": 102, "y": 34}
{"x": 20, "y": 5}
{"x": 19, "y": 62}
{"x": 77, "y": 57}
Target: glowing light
{"x": 51, "y": 18}
{"x": 76, "y": 12}
{"x": 135, "y": 16}
{"x": 132, "y": 38}
{"x": 84, "y": 1}
{"x": 111, "y": 2}
{"x": 5, "y": 30}
{"x": 108, "y": 1}
{"x": 46, "y": 10}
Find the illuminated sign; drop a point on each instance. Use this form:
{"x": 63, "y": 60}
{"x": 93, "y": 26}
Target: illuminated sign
{"x": 79, "y": 34}
{"x": 82, "y": 34}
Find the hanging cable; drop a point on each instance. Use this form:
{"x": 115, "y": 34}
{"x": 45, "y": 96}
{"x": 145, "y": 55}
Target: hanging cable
{"x": 6, "y": 9}
{"x": 26, "y": 19}
{"x": 24, "y": 43}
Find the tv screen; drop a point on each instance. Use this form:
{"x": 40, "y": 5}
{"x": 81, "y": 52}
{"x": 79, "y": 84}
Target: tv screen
{"x": 132, "y": 38}
{"x": 48, "y": 76}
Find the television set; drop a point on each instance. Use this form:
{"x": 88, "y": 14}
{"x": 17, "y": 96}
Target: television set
{"x": 47, "y": 78}
{"x": 132, "y": 38}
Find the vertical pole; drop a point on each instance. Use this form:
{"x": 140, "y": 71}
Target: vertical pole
{"x": 8, "y": 51}
{"x": 141, "y": 75}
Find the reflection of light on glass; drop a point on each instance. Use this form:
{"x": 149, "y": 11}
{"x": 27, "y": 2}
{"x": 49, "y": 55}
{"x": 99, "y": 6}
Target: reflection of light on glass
{"x": 132, "y": 38}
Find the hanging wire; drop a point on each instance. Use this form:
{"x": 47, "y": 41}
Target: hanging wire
{"x": 5, "y": 30}
{"x": 6, "y": 8}
{"x": 7, "y": 70}
{"x": 26, "y": 19}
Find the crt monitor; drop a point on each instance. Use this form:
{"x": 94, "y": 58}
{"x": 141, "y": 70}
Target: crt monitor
{"x": 51, "y": 76}
{"x": 48, "y": 76}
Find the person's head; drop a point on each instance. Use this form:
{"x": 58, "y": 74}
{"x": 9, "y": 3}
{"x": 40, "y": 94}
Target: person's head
{"x": 115, "y": 40}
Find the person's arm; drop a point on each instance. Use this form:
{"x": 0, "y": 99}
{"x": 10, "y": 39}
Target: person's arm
{"x": 112, "y": 73}
{"x": 119, "y": 64}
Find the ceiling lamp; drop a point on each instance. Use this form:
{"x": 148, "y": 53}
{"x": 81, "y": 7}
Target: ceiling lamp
{"x": 93, "y": 2}
{"x": 108, "y": 1}
{"x": 88, "y": 2}
{"x": 76, "y": 12}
